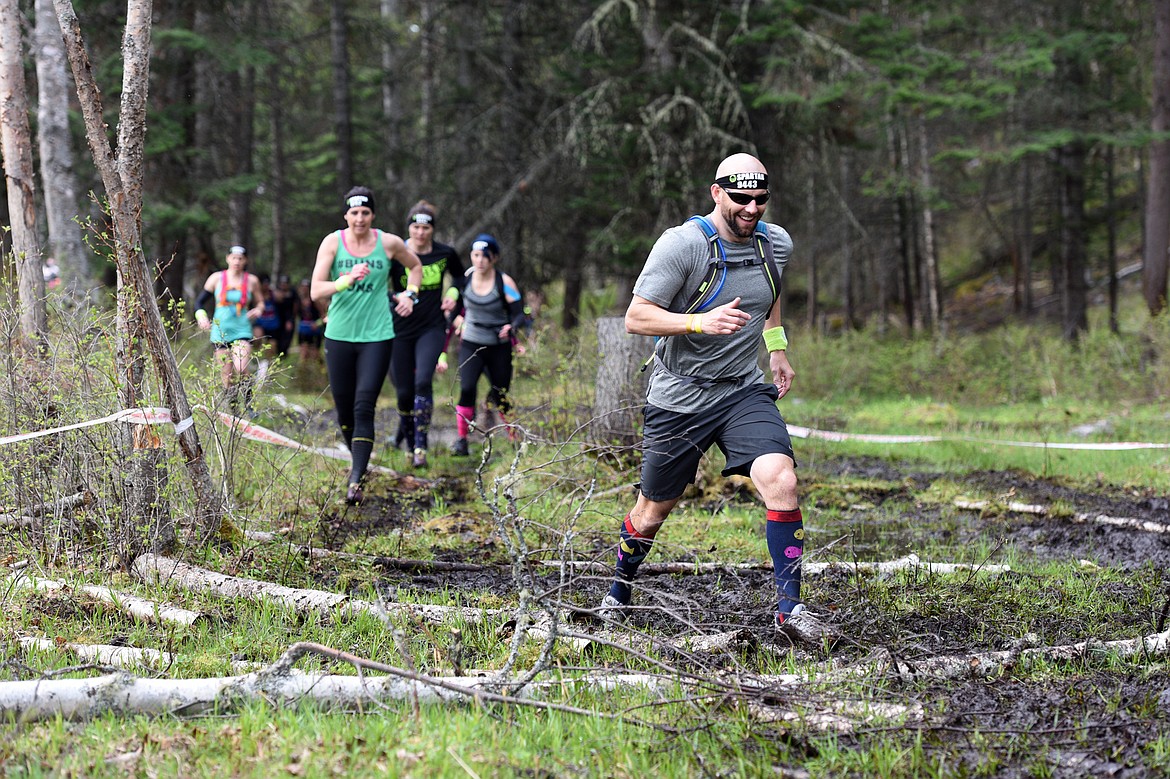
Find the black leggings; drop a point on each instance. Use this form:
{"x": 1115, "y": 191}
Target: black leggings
{"x": 356, "y": 374}
{"x": 412, "y": 367}
{"x": 496, "y": 362}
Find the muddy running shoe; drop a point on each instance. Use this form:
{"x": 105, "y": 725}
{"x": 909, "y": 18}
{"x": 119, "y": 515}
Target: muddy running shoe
{"x": 803, "y": 625}
{"x": 420, "y": 458}
{"x": 613, "y": 610}
{"x": 460, "y": 448}
{"x": 354, "y": 496}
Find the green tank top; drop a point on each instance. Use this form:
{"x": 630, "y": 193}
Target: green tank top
{"x": 361, "y": 314}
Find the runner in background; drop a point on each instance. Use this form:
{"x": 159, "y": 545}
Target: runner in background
{"x": 492, "y": 311}
{"x": 239, "y": 301}
{"x": 420, "y": 338}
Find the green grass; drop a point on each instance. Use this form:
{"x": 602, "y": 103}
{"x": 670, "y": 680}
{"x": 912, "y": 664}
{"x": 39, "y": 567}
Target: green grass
{"x": 1017, "y": 384}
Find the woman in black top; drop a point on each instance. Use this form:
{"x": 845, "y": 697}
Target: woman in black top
{"x": 419, "y": 338}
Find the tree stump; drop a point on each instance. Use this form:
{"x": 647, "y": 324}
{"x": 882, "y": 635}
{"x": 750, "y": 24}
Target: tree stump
{"x": 620, "y": 389}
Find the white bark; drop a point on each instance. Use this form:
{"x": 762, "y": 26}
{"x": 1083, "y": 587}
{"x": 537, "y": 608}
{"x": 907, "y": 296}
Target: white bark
{"x": 139, "y": 608}
{"x": 303, "y": 601}
{"x": 1080, "y": 518}
{"x": 811, "y": 568}
{"x": 992, "y": 663}
{"x": 104, "y": 654}
{"x": 281, "y": 684}
{"x": 58, "y": 179}
{"x": 15, "y": 519}
{"x": 122, "y": 177}
{"x": 16, "y": 143}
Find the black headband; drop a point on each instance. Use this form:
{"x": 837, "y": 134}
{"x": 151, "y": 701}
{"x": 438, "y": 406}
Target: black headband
{"x": 753, "y": 180}
{"x": 358, "y": 201}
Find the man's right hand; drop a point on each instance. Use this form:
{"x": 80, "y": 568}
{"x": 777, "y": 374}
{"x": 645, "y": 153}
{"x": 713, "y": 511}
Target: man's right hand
{"x": 725, "y": 319}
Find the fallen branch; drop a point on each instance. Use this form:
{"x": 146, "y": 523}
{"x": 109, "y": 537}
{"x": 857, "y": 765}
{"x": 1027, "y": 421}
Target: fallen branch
{"x": 910, "y": 561}
{"x": 16, "y": 519}
{"x": 1078, "y": 518}
{"x": 279, "y": 683}
{"x": 991, "y": 663}
{"x": 840, "y": 716}
{"x": 139, "y": 608}
{"x": 104, "y": 654}
{"x": 190, "y": 577}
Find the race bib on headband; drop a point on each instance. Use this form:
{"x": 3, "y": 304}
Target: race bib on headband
{"x": 753, "y": 180}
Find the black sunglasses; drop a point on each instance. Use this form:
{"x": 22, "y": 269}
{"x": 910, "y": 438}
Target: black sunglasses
{"x": 742, "y": 198}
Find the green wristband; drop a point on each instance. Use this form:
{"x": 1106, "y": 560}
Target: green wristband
{"x": 775, "y": 339}
{"x": 452, "y": 293}
{"x": 343, "y": 282}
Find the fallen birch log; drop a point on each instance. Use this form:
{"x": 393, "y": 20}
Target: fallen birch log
{"x": 991, "y": 663}
{"x": 1080, "y": 518}
{"x": 139, "y": 608}
{"x": 303, "y": 601}
{"x": 279, "y": 684}
{"x": 910, "y": 561}
{"x": 104, "y": 654}
{"x": 840, "y": 716}
{"x": 16, "y": 519}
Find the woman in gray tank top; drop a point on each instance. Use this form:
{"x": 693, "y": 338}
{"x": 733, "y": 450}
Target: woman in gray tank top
{"x": 493, "y": 309}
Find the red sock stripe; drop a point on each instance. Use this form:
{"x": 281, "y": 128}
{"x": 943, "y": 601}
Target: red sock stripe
{"x": 630, "y": 529}
{"x": 785, "y": 516}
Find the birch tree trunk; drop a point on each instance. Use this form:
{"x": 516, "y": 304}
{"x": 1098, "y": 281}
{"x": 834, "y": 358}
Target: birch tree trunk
{"x": 932, "y": 282}
{"x": 122, "y": 177}
{"x": 16, "y": 141}
{"x": 58, "y": 178}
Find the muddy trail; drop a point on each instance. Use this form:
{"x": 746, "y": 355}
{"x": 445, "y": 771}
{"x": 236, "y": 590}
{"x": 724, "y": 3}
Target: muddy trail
{"x": 1093, "y": 722}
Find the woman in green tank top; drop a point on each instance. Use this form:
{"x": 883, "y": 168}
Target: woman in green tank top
{"x": 352, "y": 274}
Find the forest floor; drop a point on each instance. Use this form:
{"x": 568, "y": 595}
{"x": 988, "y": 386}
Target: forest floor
{"x": 1090, "y": 721}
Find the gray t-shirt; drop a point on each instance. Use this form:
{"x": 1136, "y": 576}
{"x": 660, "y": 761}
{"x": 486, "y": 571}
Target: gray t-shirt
{"x": 676, "y": 266}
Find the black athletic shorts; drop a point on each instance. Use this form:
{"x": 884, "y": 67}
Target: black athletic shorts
{"x": 745, "y": 426}
{"x": 225, "y": 346}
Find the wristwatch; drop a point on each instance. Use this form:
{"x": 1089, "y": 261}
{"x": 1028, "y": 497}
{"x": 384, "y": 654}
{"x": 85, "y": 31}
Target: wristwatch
{"x": 410, "y": 293}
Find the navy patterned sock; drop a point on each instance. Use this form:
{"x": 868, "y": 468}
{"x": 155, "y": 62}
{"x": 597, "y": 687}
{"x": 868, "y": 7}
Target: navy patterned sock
{"x": 422, "y": 420}
{"x": 631, "y": 552}
{"x": 785, "y": 532}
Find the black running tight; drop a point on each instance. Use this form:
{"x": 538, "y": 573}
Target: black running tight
{"x": 356, "y": 374}
{"x": 413, "y": 366}
{"x": 496, "y": 362}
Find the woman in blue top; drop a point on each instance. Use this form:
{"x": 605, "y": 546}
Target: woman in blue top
{"x": 238, "y": 302}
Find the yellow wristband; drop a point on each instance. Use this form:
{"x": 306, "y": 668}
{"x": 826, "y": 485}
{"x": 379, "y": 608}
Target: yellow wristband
{"x": 200, "y": 315}
{"x": 443, "y": 358}
{"x": 452, "y": 293}
{"x": 343, "y": 282}
{"x": 695, "y": 323}
{"x": 412, "y": 288}
{"x": 775, "y": 339}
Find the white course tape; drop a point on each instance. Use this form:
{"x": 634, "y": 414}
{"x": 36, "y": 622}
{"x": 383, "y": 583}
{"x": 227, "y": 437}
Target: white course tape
{"x": 155, "y": 416}
{"x": 103, "y": 420}
{"x": 829, "y": 435}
